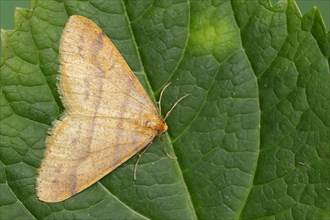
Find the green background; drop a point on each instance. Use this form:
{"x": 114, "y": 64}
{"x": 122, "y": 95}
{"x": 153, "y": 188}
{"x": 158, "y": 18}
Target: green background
{"x": 251, "y": 140}
{"x": 8, "y": 6}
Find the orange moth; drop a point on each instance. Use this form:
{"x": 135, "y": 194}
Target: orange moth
{"x": 108, "y": 116}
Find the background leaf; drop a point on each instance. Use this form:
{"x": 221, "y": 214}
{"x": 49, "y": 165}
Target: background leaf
{"x": 252, "y": 140}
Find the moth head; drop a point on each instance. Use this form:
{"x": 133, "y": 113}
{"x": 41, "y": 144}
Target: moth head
{"x": 162, "y": 128}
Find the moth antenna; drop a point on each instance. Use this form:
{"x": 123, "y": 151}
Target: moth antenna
{"x": 160, "y": 97}
{"x": 175, "y": 104}
{"x": 138, "y": 159}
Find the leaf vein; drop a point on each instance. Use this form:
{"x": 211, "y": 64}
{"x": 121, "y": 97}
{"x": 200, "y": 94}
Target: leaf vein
{"x": 124, "y": 204}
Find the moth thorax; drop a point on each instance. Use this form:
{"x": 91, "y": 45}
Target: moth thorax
{"x": 159, "y": 126}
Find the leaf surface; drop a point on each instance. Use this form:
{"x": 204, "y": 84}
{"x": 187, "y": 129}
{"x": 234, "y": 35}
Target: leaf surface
{"x": 252, "y": 140}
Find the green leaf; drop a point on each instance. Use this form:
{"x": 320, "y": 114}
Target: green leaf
{"x": 252, "y": 141}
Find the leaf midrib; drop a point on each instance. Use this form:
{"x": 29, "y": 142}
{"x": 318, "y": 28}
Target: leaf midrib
{"x": 179, "y": 169}
{"x": 138, "y": 53}
{"x": 251, "y": 183}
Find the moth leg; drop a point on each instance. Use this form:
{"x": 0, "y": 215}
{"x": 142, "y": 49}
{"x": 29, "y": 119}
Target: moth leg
{"x": 168, "y": 155}
{"x": 138, "y": 158}
{"x": 164, "y": 149}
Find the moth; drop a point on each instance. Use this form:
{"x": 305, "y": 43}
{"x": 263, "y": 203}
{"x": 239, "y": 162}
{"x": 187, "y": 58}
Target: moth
{"x": 108, "y": 116}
